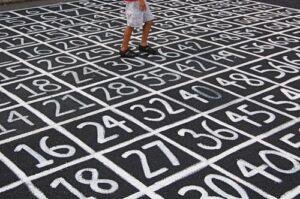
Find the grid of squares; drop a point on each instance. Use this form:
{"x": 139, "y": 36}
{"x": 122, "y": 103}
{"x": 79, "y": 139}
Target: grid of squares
{"x": 214, "y": 114}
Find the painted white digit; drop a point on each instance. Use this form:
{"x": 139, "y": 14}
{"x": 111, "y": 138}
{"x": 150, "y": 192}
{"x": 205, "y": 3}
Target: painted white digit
{"x": 209, "y": 180}
{"x": 161, "y": 115}
{"x": 106, "y": 92}
{"x": 234, "y": 117}
{"x": 34, "y": 28}
{"x": 256, "y": 48}
{"x": 54, "y": 184}
{"x": 295, "y": 164}
{"x": 36, "y": 52}
{"x": 168, "y": 54}
{"x": 187, "y": 96}
{"x": 172, "y": 158}
{"x": 159, "y": 80}
{"x": 75, "y": 77}
{"x": 110, "y": 122}
{"x": 7, "y": 44}
{"x": 45, "y": 85}
{"x": 145, "y": 165}
{"x": 250, "y": 170}
{"x": 48, "y": 35}
{"x": 63, "y": 60}
{"x": 281, "y": 40}
{"x": 127, "y": 63}
{"x": 15, "y": 116}
{"x": 101, "y": 139}
{"x": 217, "y": 141}
{"x": 217, "y": 133}
{"x": 120, "y": 88}
{"x": 292, "y": 95}
{"x": 203, "y": 192}
{"x": 6, "y": 78}
{"x": 244, "y": 78}
{"x": 286, "y": 139}
{"x": 223, "y": 54}
{"x": 224, "y": 83}
{"x": 58, "y": 112}
{"x": 88, "y": 70}
{"x": 293, "y": 106}
{"x": 183, "y": 67}
{"x": 281, "y": 69}
{"x": 53, "y": 151}
{"x": 271, "y": 116}
{"x": 237, "y": 118}
{"x": 294, "y": 61}
{"x": 75, "y": 44}
{"x": 14, "y": 69}
{"x": 3, "y": 130}
{"x": 168, "y": 107}
{"x": 110, "y": 186}
{"x": 32, "y": 92}
{"x": 42, "y": 161}
{"x": 256, "y": 68}
{"x": 175, "y": 76}
{"x": 207, "y": 92}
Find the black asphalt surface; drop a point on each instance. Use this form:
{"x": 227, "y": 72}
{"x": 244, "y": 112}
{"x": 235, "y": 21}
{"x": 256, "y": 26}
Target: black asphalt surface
{"x": 214, "y": 114}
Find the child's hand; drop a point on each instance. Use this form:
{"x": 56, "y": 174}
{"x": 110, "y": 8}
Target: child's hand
{"x": 142, "y": 5}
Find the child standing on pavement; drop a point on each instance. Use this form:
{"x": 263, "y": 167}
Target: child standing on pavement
{"x": 138, "y": 14}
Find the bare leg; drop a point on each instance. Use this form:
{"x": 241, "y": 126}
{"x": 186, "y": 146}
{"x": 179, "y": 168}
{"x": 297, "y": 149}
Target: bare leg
{"x": 126, "y": 38}
{"x": 146, "y": 30}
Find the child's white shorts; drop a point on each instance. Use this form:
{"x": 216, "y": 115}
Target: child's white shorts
{"x": 136, "y": 17}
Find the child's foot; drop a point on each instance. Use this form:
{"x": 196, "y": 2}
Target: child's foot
{"x": 147, "y": 49}
{"x": 127, "y": 53}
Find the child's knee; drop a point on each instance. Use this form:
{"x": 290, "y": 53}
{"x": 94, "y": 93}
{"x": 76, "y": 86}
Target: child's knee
{"x": 130, "y": 28}
{"x": 150, "y": 23}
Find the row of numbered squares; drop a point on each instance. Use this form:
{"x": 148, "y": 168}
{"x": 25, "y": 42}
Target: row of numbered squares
{"x": 173, "y": 161}
{"x": 84, "y": 24}
{"x": 85, "y": 52}
{"x": 232, "y": 175}
{"x": 156, "y": 78}
{"x": 193, "y": 46}
{"x": 89, "y": 178}
{"x": 225, "y": 180}
{"x": 233, "y": 7}
{"x": 51, "y": 149}
{"x": 272, "y": 70}
{"x": 90, "y": 33}
{"x": 252, "y": 119}
{"x": 64, "y": 67}
{"x": 79, "y": 183}
{"x": 93, "y": 79}
{"x": 238, "y": 82}
{"x": 42, "y": 150}
{"x": 157, "y": 111}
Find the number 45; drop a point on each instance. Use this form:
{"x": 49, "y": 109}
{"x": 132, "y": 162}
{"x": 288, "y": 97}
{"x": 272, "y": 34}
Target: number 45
{"x": 234, "y": 117}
